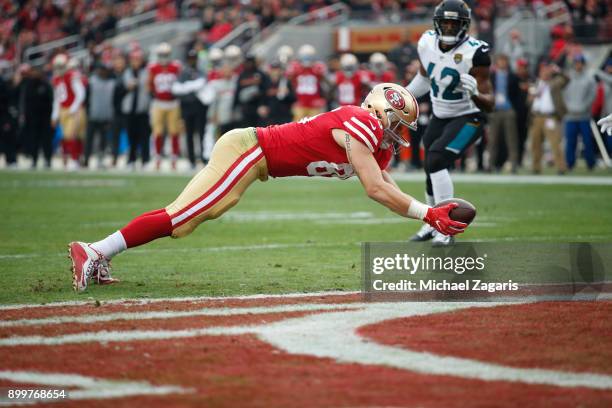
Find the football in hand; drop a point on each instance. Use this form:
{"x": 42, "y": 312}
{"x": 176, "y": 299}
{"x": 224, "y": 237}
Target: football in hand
{"x": 466, "y": 212}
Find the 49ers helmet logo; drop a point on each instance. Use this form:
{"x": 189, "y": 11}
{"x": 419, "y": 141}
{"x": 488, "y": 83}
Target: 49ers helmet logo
{"x": 395, "y": 99}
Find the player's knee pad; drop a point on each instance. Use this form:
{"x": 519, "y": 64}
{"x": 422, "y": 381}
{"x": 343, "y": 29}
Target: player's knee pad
{"x": 436, "y": 161}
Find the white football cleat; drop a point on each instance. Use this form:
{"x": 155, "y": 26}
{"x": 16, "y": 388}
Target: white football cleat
{"x": 441, "y": 240}
{"x": 423, "y": 234}
{"x": 102, "y": 276}
{"x": 85, "y": 264}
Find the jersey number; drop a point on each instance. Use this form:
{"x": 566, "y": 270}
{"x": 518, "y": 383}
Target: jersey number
{"x": 449, "y": 92}
{"x": 327, "y": 169}
{"x": 307, "y": 85}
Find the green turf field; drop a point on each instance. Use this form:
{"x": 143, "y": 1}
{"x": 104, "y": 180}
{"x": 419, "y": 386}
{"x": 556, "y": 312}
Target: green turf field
{"x": 287, "y": 235}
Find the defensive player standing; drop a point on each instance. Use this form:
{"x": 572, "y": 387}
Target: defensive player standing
{"x": 455, "y": 71}
{"x": 68, "y": 111}
{"x": 165, "y": 110}
{"x": 346, "y": 141}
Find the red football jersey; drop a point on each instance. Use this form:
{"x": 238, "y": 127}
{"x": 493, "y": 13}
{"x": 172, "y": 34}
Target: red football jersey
{"x": 161, "y": 78}
{"x": 307, "y": 147}
{"x": 307, "y": 84}
{"x": 214, "y": 74}
{"x": 375, "y": 79}
{"x": 350, "y": 89}
{"x": 63, "y": 87}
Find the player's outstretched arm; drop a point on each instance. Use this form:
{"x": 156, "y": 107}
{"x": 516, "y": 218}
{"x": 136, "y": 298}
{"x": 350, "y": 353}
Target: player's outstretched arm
{"x": 389, "y": 195}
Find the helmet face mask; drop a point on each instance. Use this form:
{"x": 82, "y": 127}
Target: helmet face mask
{"x": 452, "y": 21}
{"x": 395, "y": 107}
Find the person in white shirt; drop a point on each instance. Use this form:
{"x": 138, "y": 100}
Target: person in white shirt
{"x": 547, "y": 111}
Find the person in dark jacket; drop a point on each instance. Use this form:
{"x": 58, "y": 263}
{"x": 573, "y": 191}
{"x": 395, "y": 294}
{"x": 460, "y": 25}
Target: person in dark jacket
{"x": 251, "y": 93}
{"x": 35, "y": 106}
{"x": 280, "y": 96}
{"x": 8, "y": 119}
{"x": 502, "y": 122}
{"x": 193, "y": 111}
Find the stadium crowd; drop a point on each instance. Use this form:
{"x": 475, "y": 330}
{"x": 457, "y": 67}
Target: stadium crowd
{"x": 83, "y": 110}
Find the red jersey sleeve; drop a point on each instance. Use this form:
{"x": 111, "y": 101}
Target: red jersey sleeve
{"x": 362, "y": 126}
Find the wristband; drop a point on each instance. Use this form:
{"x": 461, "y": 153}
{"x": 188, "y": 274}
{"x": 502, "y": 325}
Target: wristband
{"x": 417, "y": 210}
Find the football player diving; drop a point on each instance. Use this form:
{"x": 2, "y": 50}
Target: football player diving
{"x": 346, "y": 141}
{"x": 455, "y": 72}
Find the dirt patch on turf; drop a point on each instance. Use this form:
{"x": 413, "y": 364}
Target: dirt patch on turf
{"x": 571, "y": 336}
{"x": 93, "y": 307}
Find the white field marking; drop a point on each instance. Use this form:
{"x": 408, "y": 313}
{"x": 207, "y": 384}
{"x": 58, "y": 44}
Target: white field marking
{"x": 70, "y": 183}
{"x": 91, "y": 387}
{"x": 333, "y": 335}
{"x": 191, "y": 299}
{"x": 514, "y": 179}
{"x": 265, "y": 216}
{"x": 220, "y": 311}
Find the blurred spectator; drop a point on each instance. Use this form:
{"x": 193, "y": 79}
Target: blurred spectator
{"x": 520, "y": 105}
{"x": 100, "y": 112}
{"x": 514, "y": 48}
{"x": 548, "y": 109}
{"x": 8, "y": 117}
{"x": 280, "y": 96}
{"x": 118, "y": 117}
{"x": 502, "y": 121}
{"x": 193, "y": 111}
{"x": 605, "y": 77}
{"x": 579, "y": 96}
{"x": 135, "y": 108}
{"x": 35, "y": 106}
{"x": 404, "y": 53}
{"x": 252, "y": 94}
{"x": 220, "y": 112}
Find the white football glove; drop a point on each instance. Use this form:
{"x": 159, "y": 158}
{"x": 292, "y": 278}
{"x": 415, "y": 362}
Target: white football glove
{"x": 606, "y": 125}
{"x": 469, "y": 84}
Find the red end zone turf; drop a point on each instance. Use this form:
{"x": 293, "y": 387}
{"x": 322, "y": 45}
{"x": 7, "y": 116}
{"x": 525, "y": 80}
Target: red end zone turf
{"x": 243, "y": 370}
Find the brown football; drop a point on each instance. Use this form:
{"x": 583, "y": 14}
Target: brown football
{"x": 466, "y": 212}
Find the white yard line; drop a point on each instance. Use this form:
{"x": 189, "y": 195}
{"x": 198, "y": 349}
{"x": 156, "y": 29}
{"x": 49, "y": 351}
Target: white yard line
{"x": 140, "y": 301}
{"x": 90, "y": 387}
{"x": 513, "y": 179}
{"x": 221, "y": 311}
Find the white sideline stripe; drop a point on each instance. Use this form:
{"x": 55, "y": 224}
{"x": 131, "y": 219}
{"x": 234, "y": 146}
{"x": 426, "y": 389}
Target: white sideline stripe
{"x": 364, "y": 127}
{"x": 219, "y": 190}
{"x": 333, "y": 335}
{"x": 510, "y": 179}
{"x": 359, "y": 134}
{"x": 193, "y": 299}
{"x": 221, "y": 311}
{"x": 91, "y": 387}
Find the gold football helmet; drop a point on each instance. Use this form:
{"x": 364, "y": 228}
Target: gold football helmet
{"x": 394, "y": 106}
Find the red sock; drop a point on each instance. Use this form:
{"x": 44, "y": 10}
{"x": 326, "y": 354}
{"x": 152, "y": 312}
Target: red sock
{"x": 176, "y": 149}
{"x": 159, "y": 144}
{"x": 146, "y": 228}
{"x": 65, "y": 147}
